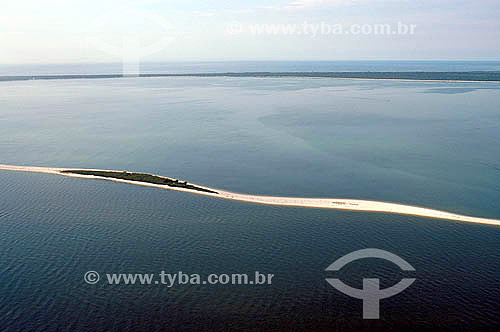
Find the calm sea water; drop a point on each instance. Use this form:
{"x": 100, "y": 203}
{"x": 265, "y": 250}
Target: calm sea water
{"x": 253, "y": 66}
{"x": 429, "y": 144}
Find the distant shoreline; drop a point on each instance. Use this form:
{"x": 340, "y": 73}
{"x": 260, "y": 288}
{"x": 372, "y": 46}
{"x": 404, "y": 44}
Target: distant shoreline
{"x": 417, "y": 76}
{"x": 325, "y": 203}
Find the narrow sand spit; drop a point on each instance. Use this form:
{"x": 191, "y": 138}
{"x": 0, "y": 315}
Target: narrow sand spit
{"x": 326, "y": 203}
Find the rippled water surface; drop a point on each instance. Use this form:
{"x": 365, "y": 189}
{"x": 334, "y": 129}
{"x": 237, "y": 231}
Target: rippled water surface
{"x": 428, "y": 144}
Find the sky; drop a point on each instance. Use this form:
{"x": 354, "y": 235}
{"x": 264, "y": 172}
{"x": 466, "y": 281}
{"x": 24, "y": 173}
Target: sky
{"x": 88, "y": 31}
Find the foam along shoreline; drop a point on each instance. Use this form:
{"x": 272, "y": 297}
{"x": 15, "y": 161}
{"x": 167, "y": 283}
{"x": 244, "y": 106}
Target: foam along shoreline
{"x": 325, "y": 203}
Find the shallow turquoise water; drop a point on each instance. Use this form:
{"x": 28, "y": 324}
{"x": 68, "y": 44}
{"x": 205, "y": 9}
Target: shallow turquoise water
{"x": 429, "y": 144}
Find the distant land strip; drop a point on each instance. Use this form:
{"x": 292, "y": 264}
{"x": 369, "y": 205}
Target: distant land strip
{"x": 468, "y": 76}
{"x": 162, "y": 182}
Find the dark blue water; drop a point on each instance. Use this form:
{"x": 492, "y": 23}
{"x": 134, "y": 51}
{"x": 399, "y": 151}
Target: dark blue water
{"x": 428, "y": 144}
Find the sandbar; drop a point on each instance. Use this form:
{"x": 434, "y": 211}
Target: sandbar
{"x": 324, "y": 203}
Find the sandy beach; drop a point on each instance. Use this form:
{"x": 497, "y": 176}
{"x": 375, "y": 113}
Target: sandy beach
{"x": 324, "y": 203}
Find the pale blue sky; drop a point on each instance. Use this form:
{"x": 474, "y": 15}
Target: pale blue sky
{"x": 65, "y": 31}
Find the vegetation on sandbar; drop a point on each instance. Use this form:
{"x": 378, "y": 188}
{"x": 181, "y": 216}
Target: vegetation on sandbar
{"x": 140, "y": 177}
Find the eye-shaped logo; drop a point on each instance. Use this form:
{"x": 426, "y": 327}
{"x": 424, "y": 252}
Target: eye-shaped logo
{"x": 371, "y": 294}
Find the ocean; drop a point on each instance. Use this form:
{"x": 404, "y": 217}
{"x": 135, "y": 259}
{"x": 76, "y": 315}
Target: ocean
{"x": 429, "y": 144}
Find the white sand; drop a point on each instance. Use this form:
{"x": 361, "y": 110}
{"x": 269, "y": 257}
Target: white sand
{"x": 327, "y": 203}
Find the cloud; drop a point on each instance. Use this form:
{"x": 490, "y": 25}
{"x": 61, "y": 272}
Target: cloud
{"x": 198, "y": 13}
{"x": 314, "y": 3}
{"x": 305, "y": 4}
